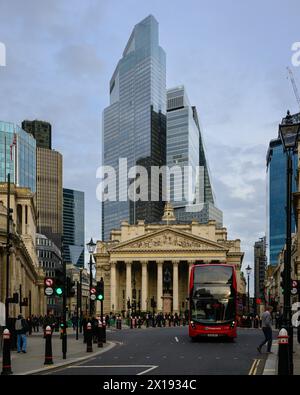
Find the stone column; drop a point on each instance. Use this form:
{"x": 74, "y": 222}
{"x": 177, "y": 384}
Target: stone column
{"x": 175, "y": 287}
{"x": 144, "y": 285}
{"x": 128, "y": 293}
{"x": 159, "y": 285}
{"x": 191, "y": 264}
{"x": 23, "y": 220}
{"x": 113, "y": 285}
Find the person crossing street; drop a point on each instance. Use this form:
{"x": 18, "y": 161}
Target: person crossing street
{"x": 267, "y": 330}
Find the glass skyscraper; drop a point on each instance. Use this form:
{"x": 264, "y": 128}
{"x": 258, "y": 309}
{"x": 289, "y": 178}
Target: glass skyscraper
{"x": 73, "y": 227}
{"x": 185, "y": 148}
{"x": 276, "y": 197}
{"x": 17, "y": 156}
{"x": 134, "y": 124}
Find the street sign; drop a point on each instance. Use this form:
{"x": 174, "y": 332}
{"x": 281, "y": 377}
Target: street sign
{"x": 49, "y": 282}
{"x": 294, "y": 283}
{"x": 93, "y": 290}
{"x": 93, "y": 297}
{"x": 49, "y": 291}
{"x": 294, "y": 291}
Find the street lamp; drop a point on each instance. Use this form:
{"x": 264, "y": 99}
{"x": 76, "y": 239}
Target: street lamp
{"x": 289, "y": 133}
{"x": 248, "y": 271}
{"x": 91, "y": 246}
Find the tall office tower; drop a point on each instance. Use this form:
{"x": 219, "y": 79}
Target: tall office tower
{"x": 50, "y": 194}
{"x": 276, "y": 196}
{"x": 260, "y": 264}
{"x": 17, "y": 156}
{"x": 41, "y": 131}
{"x": 73, "y": 227}
{"x": 134, "y": 124}
{"x": 185, "y": 149}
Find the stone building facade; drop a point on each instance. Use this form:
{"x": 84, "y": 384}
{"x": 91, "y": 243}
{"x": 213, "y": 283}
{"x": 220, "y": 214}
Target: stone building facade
{"x": 25, "y": 275}
{"x": 134, "y": 262}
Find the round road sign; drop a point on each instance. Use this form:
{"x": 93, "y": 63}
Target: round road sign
{"x": 93, "y": 290}
{"x": 294, "y": 283}
{"x": 49, "y": 282}
{"x": 93, "y": 297}
{"x": 294, "y": 291}
{"x": 49, "y": 291}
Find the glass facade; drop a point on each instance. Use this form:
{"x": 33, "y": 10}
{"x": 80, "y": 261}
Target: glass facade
{"x": 73, "y": 227}
{"x": 134, "y": 125}
{"x": 276, "y": 199}
{"x": 185, "y": 148}
{"x": 17, "y": 156}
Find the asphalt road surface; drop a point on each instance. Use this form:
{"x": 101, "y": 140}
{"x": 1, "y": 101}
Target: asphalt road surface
{"x": 169, "y": 351}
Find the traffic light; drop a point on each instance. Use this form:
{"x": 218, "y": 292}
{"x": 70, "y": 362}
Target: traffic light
{"x": 128, "y": 304}
{"x": 100, "y": 289}
{"x": 70, "y": 291}
{"x": 59, "y": 283}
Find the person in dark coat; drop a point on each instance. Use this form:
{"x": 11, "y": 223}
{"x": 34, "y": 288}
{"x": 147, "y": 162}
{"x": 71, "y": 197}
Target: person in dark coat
{"x": 21, "y": 330}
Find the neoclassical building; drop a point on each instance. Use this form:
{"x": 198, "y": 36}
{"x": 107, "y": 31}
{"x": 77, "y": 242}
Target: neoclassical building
{"x": 25, "y": 276}
{"x": 137, "y": 260}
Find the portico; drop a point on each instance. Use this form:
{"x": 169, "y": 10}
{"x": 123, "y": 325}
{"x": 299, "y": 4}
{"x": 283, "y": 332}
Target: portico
{"x": 135, "y": 262}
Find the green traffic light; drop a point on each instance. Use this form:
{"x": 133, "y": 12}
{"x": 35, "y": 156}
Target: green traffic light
{"x": 58, "y": 291}
{"x": 100, "y": 297}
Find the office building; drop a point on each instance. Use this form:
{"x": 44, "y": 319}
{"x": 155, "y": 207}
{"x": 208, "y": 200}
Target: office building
{"x": 134, "y": 124}
{"x": 73, "y": 227}
{"x": 276, "y": 196}
{"x": 50, "y": 194}
{"x": 17, "y": 156}
{"x": 185, "y": 149}
{"x": 41, "y": 131}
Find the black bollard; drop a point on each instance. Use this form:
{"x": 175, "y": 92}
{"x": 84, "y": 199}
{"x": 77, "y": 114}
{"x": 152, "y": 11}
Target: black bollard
{"x": 89, "y": 338}
{"x": 6, "y": 361}
{"x": 48, "y": 347}
{"x": 283, "y": 353}
{"x": 104, "y": 332}
{"x": 99, "y": 334}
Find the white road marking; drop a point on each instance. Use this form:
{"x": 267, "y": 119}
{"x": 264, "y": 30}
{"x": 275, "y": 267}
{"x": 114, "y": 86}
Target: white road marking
{"x": 176, "y": 338}
{"x": 218, "y": 357}
{"x": 146, "y": 371}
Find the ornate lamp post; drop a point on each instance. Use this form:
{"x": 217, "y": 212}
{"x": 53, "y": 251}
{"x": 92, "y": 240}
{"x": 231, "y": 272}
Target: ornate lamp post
{"x": 289, "y": 133}
{"x": 91, "y": 246}
{"x": 248, "y": 271}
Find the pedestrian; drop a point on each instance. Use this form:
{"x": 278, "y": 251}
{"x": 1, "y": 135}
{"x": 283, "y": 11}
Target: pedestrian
{"x": 21, "y": 330}
{"x": 266, "y": 319}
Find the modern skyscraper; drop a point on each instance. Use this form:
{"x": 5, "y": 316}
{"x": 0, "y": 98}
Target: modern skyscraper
{"x": 73, "y": 227}
{"x": 134, "y": 124}
{"x": 260, "y": 264}
{"x": 185, "y": 149}
{"x": 17, "y": 156}
{"x": 50, "y": 194}
{"x": 41, "y": 131}
{"x": 276, "y": 196}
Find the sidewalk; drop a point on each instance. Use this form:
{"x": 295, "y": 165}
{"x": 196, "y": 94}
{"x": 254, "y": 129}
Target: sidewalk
{"x": 272, "y": 360}
{"x": 33, "y": 360}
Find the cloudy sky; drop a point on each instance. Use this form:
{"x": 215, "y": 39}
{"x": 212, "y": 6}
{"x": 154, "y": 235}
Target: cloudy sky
{"x": 230, "y": 55}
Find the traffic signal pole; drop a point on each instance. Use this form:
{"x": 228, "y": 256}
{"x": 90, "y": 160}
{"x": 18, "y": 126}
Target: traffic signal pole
{"x": 7, "y": 250}
{"x": 64, "y": 337}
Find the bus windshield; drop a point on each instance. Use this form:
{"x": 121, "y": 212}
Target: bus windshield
{"x": 213, "y": 295}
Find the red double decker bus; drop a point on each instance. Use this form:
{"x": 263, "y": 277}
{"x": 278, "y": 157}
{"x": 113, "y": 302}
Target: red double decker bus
{"x": 213, "y": 301}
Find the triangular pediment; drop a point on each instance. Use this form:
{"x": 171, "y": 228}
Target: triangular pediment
{"x": 169, "y": 239}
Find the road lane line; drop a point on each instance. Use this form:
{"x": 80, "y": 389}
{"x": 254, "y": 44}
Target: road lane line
{"x": 255, "y": 370}
{"x": 146, "y": 371}
{"x": 176, "y": 338}
{"x": 253, "y": 367}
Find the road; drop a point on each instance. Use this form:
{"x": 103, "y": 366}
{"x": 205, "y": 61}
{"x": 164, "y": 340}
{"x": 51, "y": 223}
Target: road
{"x": 163, "y": 351}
